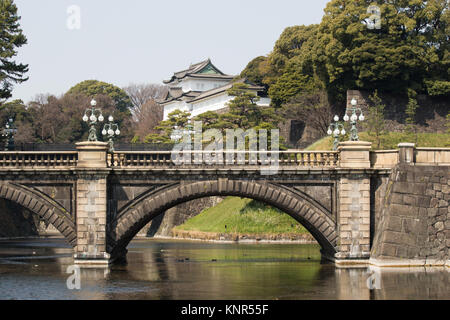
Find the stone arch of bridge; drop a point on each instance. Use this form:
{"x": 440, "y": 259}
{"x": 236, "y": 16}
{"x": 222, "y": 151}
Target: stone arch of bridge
{"x": 43, "y": 206}
{"x": 139, "y": 213}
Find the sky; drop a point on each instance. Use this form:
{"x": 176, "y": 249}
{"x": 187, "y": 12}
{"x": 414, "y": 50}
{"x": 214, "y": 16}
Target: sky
{"x": 145, "y": 41}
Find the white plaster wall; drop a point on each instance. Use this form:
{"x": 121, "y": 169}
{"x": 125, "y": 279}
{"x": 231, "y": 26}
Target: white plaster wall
{"x": 176, "y": 105}
{"x": 190, "y": 84}
{"x": 213, "y": 104}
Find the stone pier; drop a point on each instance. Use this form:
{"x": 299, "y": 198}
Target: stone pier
{"x": 354, "y": 203}
{"x": 91, "y": 193}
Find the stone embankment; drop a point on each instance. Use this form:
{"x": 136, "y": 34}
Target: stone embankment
{"x": 415, "y": 220}
{"x": 241, "y": 237}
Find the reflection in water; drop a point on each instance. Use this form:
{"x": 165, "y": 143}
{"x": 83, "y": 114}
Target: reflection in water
{"x": 156, "y": 269}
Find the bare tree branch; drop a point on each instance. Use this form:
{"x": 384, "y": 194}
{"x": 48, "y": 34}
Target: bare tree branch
{"x": 141, "y": 93}
{"x": 150, "y": 115}
{"x": 313, "y": 109}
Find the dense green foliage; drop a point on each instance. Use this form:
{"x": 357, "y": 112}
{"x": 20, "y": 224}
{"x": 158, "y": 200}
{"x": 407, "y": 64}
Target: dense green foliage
{"x": 410, "y": 50}
{"x": 240, "y": 215}
{"x": 11, "y": 38}
{"x": 292, "y": 61}
{"x": 411, "y": 46}
{"x": 256, "y": 71}
{"x": 92, "y": 88}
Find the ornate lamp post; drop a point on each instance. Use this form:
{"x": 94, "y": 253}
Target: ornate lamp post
{"x": 93, "y": 114}
{"x": 353, "y": 119}
{"x": 9, "y": 132}
{"x": 111, "y": 129}
{"x": 336, "y": 129}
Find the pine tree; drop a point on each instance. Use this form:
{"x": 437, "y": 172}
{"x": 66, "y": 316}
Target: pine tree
{"x": 411, "y": 125}
{"x": 11, "y": 38}
{"x": 448, "y": 122}
{"x": 177, "y": 120}
{"x": 244, "y": 113}
{"x": 375, "y": 121}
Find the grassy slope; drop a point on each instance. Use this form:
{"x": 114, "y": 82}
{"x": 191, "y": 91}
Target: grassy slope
{"x": 391, "y": 140}
{"x": 243, "y": 216}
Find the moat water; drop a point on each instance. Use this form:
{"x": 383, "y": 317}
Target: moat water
{"x": 168, "y": 269}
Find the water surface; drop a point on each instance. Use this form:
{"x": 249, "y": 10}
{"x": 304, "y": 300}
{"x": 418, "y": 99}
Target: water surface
{"x": 166, "y": 269}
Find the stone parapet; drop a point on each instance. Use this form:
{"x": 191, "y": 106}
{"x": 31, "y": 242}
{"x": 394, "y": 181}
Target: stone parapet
{"x": 406, "y": 152}
{"x": 354, "y": 154}
{"x": 92, "y": 154}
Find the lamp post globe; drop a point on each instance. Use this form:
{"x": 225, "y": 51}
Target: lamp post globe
{"x": 336, "y": 129}
{"x": 111, "y": 129}
{"x": 353, "y": 110}
{"x": 93, "y": 115}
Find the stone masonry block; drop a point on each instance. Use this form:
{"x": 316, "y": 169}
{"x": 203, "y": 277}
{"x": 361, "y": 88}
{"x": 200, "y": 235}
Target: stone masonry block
{"x": 409, "y": 200}
{"x": 404, "y": 210}
{"x": 345, "y": 214}
{"x": 389, "y": 250}
{"x": 397, "y": 198}
{"x": 394, "y": 223}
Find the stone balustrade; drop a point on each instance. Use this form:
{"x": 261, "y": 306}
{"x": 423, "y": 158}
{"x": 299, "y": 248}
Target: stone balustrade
{"x": 40, "y": 159}
{"x": 379, "y": 159}
{"x": 133, "y": 159}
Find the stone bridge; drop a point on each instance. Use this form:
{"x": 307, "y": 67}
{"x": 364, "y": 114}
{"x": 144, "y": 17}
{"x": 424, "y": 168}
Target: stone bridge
{"x": 99, "y": 201}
